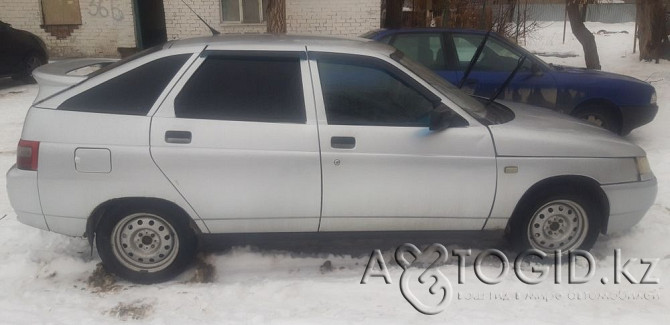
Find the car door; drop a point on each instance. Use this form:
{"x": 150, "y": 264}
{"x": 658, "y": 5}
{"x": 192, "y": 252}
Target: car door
{"x": 428, "y": 48}
{"x": 498, "y": 59}
{"x": 237, "y": 137}
{"x": 382, "y": 168}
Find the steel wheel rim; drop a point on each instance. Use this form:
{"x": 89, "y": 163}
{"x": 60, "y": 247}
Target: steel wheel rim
{"x": 559, "y": 224}
{"x": 144, "y": 242}
{"x": 595, "y": 120}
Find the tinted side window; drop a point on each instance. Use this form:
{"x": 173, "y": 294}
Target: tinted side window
{"x": 132, "y": 93}
{"x": 244, "y": 88}
{"x": 423, "y": 48}
{"x": 361, "y": 92}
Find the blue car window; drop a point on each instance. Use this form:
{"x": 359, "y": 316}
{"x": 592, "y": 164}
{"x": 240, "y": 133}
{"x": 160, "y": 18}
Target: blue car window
{"x": 422, "y": 47}
{"x": 496, "y": 56}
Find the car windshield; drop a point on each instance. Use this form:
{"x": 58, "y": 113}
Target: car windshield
{"x": 487, "y": 114}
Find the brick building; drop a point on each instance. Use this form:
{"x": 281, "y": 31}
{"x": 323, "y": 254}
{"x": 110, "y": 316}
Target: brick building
{"x": 105, "y": 28}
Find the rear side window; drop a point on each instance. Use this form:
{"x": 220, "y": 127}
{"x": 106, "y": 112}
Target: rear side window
{"x": 244, "y": 88}
{"x": 132, "y": 93}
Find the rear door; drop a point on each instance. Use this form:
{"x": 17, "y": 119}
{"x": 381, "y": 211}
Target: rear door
{"x": 237, "y": 137}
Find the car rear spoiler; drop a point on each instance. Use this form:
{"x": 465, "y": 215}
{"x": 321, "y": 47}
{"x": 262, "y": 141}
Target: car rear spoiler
{"x": 57, "y": 76}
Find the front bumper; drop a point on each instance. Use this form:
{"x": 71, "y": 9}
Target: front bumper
{"x": 629, "y": 202}
{"x": 636, "y": 116}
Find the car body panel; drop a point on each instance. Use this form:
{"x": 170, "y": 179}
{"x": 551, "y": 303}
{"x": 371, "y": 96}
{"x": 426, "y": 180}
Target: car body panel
{"x": 569, "y": 137}
{"x": 274, "y": 177}
{"x": 231, "y": 165}
{"x": 407, "y": 178}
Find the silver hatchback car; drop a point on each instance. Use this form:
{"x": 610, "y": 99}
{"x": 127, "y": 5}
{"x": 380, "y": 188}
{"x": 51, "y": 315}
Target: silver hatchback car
{"x": 254, "y": 134}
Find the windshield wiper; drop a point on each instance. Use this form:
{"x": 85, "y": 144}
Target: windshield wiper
{"x": 474, "y": 59}
{"x": 508, "y": 80}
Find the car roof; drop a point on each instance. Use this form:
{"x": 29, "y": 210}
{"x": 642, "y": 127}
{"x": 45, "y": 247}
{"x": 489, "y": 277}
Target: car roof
{"x": 384, "y": 32}
{"x": 346, "y": 44}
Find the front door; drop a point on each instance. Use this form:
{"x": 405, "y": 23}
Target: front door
{"x": 383, "y": 169}
{"x": 238, "y": 138}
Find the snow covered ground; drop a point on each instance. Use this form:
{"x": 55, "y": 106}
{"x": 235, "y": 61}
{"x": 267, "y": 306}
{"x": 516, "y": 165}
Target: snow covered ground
{"x": 44, "y": 277}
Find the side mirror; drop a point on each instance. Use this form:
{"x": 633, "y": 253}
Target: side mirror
{"x": 442, "y": 118}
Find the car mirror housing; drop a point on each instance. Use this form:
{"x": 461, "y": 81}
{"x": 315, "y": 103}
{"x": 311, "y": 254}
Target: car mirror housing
{"x": 442, "y": 118}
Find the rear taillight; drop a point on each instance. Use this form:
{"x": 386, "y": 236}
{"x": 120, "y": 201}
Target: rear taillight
{"x": 26, "y": 154}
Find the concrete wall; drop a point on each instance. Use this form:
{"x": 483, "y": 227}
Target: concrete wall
{"x": 331, "y": 17}
{"x": 112, "y": 25}
{"x": 99, "y": 35}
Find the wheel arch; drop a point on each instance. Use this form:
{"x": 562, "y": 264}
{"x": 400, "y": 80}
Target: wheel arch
{"x": 590, "y": 185}
{"x": 99, "y": 211}
{"x": 597, "y": 101}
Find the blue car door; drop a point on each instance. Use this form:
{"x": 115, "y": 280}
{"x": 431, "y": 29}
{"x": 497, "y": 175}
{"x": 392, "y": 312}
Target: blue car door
{"x": 532, "y": 84}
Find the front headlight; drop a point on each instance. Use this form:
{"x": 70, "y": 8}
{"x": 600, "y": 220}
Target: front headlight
{"x": 643, "y": 169}
{"x": 653, "y": 98}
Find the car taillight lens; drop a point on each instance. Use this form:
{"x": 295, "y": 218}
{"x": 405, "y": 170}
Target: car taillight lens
{"x": 26, "y": 154}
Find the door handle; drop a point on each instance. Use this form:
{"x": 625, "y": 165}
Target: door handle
{"x": 181, "y": 137}
{"x": 343, "y": 142}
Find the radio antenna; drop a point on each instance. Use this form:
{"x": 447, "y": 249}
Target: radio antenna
{"x": 214, "y": 31}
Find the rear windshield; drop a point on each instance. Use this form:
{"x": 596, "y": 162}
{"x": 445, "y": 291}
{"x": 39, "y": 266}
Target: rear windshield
{"x": 126, "y": 60}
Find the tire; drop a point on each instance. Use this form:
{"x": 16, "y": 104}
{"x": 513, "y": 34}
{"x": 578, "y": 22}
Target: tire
{"x": 566, "y": 219}
{"x": 604, "y": 116}
{"x": 30, "y": 63}
{"x": 145, "y": 244}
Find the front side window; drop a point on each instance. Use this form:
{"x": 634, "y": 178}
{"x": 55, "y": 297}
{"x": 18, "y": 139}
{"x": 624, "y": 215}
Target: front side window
{"x": 495, "y": 56}
{"x": 423, "y": 48}
{"x": 369, "y": 92}
{"x": 243, "y": 11}
{"x": 244, "y": 88}
{"x": 131, "y": 93}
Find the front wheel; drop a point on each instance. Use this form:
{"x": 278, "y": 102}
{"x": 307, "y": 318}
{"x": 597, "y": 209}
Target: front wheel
{"x": 145, "y": 245}
{"x": 563, "y": 221}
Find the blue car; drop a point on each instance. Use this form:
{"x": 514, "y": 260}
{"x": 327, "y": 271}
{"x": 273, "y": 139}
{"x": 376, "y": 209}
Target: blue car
{"x": 615, "y": 102}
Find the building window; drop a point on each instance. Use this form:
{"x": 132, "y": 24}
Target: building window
{"x": 243, "y": 11}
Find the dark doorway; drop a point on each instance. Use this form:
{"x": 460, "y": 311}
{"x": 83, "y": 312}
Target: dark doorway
{"x": 150, "y": 23}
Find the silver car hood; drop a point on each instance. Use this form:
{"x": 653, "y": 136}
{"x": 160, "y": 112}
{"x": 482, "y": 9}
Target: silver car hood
{"x": 540, "y": 132}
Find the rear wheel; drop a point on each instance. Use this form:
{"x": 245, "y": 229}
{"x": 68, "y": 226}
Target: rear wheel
{"x": 565, "y": 220}
{"x": 604, "y": 116}
{"x": 145, "y": 245}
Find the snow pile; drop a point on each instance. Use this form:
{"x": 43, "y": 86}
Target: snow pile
{"x": 46, "y": 278}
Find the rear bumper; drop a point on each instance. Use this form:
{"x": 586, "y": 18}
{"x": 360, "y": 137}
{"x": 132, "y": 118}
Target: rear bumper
{"x": 24, "y": 197}
{"x": 629, "y": 202}
{"x": 636, "y": 116}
